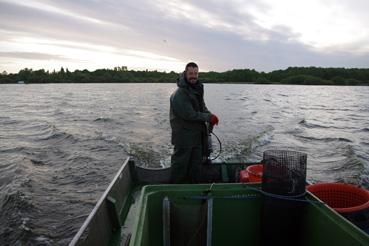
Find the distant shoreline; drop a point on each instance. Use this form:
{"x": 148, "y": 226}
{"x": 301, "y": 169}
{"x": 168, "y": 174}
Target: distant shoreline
{"x": 223, "y": 83}
{"x": 289, "y": 76}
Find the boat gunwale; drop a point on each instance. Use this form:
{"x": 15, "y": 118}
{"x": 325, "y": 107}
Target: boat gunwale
{"x": 92, "y": 214}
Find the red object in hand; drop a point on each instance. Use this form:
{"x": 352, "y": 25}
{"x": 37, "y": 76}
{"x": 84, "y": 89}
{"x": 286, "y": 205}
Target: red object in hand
{"x": 214, "y": 120}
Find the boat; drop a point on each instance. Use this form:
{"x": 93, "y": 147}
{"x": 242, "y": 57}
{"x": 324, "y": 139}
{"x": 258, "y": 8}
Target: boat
{"x": 141, "y": 207}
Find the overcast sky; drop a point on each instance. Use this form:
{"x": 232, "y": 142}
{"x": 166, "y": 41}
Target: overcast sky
{"x": 165, "y": 34}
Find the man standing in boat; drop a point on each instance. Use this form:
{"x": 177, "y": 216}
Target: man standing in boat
{"x": 188, "y": 115}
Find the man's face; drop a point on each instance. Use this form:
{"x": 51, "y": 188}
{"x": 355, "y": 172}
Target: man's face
{"x": 192, "y": 74}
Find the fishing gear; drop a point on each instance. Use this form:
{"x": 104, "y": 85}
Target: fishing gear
{"x": 209, "y": 145}
{"x": 220, "y": 145}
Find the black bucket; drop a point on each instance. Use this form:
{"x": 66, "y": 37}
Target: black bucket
{"x": 283, "y": 186}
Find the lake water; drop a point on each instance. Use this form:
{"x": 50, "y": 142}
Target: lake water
{"x": 61, "y": 144}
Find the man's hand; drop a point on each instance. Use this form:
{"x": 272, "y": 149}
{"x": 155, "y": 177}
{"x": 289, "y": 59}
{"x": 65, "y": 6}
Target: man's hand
{"x": 214, "y": 120}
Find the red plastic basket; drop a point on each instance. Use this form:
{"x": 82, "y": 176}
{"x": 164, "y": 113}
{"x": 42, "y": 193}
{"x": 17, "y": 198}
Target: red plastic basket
{"x": 255, "y": 172}
{"x": 343, "y": 198}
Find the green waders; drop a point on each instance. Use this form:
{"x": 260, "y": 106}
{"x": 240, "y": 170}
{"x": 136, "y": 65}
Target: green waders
{"x": 188, "y": 114}
{"x": 186, "y": 165}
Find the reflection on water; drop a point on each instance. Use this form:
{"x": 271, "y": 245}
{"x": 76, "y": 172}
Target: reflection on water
{"x": 60, "y": 145}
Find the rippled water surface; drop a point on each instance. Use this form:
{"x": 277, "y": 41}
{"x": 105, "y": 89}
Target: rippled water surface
{"x": 60, "y": 145}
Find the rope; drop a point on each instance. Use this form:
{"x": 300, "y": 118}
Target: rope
{"x": 234, "y": 197}
{"x": 220, "y": 146}
{"x": 296, "y": 198}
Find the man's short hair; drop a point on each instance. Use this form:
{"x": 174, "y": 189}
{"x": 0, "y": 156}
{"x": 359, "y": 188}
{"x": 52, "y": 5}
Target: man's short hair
{"x": 191, "y": 64}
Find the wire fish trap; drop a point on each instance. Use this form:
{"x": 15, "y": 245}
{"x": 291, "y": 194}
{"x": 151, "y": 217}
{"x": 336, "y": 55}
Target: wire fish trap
{"x": 284, "y": 172}
{"x": 283, "y": 186}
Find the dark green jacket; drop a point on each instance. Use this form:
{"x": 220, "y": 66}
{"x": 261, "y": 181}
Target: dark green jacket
{"x": 188, "y": 114}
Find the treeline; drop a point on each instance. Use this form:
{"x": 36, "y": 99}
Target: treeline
{"x": 116, "y": 75}
{"x": 291, "y": 75}
{"x": 294, "y": 75}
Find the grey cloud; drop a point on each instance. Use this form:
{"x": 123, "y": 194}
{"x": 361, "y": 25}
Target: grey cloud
{"x": 229, "y": 11}
{"x": 55, "y": 26}
{"x": 359, "y": 7}
{"x": 213, "y": 48}
{"x": 149, "y": 28}
{"x": 32, "y": 56}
